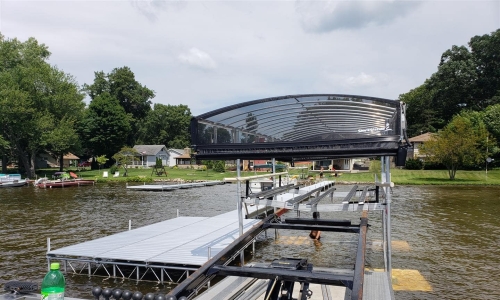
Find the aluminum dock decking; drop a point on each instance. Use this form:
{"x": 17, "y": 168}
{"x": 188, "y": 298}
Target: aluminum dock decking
{"x": 182, "y": 243}
{"x": 170, "y": 187}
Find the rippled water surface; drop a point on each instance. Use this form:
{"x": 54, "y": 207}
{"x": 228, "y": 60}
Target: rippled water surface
{"x": 453, "y": 233}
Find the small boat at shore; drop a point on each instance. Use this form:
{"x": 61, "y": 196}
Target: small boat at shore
{"x": 62, "y": 180}
{"x": 11, "y": 180}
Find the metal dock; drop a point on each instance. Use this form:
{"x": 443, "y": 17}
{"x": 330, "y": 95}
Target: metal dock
{"x": 182, "y": 243}
{"x": 170, "y": 187}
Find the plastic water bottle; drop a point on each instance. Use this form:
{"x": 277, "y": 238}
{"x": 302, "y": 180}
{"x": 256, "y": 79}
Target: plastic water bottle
{"x": 53, "y": 284}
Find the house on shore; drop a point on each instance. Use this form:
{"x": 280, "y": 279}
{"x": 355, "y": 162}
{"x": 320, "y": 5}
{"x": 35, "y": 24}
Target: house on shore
{"x": 417, "y": 142}
{"x": 184, "y": 160}
{"x": 45, "y": 160}
{"x": 149, "y": 153}
{"x": 169, "y": 157}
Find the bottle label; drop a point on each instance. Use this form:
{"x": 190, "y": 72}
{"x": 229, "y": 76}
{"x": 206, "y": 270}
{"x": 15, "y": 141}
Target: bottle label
{"x": 53, "y": 296}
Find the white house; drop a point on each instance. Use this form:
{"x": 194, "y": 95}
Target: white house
{"x": 149, "y": 153}
{"x": 172, "y": 155}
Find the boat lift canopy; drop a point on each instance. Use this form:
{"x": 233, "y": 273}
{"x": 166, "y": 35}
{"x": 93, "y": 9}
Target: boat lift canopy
{"x": 302, "y": 127}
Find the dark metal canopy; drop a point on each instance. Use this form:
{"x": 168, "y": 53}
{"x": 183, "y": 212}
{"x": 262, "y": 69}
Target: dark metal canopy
{"x": 301, "y": 127}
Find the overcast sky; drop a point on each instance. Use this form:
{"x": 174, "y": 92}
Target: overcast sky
{"x": 210, "y": 54}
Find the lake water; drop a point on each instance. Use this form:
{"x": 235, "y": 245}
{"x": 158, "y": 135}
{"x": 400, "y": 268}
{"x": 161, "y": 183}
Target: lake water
{"x": 452, "y": 233}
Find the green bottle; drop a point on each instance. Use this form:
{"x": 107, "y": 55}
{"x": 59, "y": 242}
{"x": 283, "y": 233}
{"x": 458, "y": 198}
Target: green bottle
{"x": 53, "y": 284}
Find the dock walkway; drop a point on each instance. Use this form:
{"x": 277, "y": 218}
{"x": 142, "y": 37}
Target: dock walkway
{"x": 182, "y": 243}
{"x": 171, "y": 187}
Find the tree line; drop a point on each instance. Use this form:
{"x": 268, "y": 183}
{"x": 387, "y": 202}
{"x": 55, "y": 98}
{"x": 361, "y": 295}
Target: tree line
{"x": 460, "y": 103}
{"x": 43, "y": 109}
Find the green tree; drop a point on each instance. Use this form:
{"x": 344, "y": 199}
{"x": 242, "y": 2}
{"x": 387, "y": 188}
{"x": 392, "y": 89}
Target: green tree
{"x": 459, "y": 144}
{"x": 131, "y": 95}
{"x": 101, "y": 161}
{"x": 62, "y": 139}
{"x": 468, "y": 77}
{"x": 105, "y": 126}
{"x": 125, "y": 157}
{"x": 37, "y": 100}
{"x": 454, "y": 83}
{"x": 492, "y": 120}
{"x": 420, "y": 114}
{"x": 4, "y": 151}
{"x": 166, "y": 125}
{"x": 484, "y": 50}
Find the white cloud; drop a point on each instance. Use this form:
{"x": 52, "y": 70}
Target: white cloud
{"x": 365, "y": 80}
{"x": 198, "y": 59}
{"x": 325, "y": 16}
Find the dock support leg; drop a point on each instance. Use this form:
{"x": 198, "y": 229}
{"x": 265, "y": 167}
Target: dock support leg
{"x": 240, "y": 207}
{"x": 388, "y": 211}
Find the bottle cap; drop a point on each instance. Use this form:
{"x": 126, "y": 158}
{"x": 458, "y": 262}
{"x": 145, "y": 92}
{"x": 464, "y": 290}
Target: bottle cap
{"x": 54, "y": 266}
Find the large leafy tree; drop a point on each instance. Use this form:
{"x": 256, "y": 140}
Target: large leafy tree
{"x": 485, "y": 52}
{"x": 420, "y": 115}
{"x": 492, "y": 120}
{"x": 135, "y": 98}
{"x": 468, "y": 77}
{"x": 36, "y": 101}
{"x": 63, "y": 138}
{"x": 454, "y": 82}
{"x": 166, "y": 125}
{"x": 460, "y": 143}
{"x": 105, "y": 126}
{"x": 4, "y": 151}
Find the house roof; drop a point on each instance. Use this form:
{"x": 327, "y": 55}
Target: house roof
{"x": 180, "y": 151}
{"x": 185, "y": 155}
{"x": 148, "y": 149}
{"x": 421, "y": 138}
{"x": 70, "y": 156}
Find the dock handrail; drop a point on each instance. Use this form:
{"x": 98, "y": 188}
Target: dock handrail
{"x": 272, "y": 192}
{"x": 236, "y": 179}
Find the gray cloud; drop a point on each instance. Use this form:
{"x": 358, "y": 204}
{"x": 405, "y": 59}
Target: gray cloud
{"x": 152, "y": 8}
{"x": 325, "y": 16}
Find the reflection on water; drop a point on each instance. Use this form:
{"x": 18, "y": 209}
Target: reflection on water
{"x": 452, "y": 231}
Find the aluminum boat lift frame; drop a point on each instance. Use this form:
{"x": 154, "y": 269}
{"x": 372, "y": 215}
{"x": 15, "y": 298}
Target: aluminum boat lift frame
{"x": 353, "y": 283}
{"x": 297, "y": 128}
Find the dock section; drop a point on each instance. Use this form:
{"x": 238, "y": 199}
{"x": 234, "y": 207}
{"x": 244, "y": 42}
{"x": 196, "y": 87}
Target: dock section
{"x": 171, "y": 187}
{"x": 183, "y": 243}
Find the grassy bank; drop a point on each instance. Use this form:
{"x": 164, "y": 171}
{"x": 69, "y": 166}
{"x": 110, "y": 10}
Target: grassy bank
{"x": 431, "y": 177}
{"x": 399, "y": 177}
